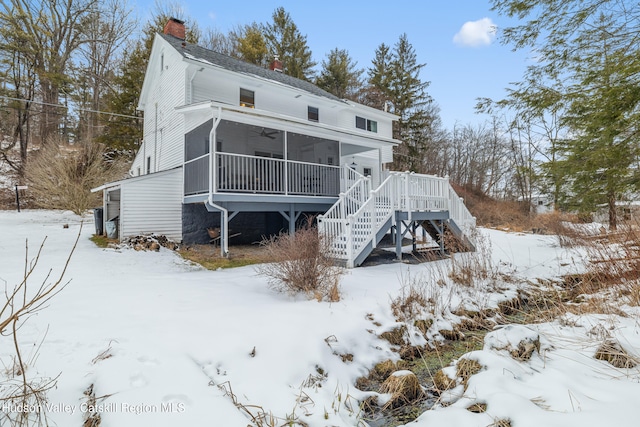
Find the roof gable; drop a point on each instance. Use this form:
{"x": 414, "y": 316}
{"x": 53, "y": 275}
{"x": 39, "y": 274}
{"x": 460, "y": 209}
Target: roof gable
{"x": 207, "y": 56}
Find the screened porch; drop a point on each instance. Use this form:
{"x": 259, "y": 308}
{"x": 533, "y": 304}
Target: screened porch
{"x": 256, "y": 159}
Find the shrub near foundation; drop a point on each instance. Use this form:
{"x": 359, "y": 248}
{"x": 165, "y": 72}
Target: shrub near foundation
{"x": 301, "y": 264}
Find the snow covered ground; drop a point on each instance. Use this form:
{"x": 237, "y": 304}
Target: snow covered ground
{"x": 166, "y": 343}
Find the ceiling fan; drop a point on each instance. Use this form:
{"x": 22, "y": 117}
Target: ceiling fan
{"x": 268, "y": 134}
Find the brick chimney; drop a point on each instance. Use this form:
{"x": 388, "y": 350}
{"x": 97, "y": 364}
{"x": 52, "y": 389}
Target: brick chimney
{"x": 276, "y": 65}
{"x": 175, "y": 27}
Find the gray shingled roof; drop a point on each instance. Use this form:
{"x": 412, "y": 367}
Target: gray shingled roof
{"x": 192, "y": 51}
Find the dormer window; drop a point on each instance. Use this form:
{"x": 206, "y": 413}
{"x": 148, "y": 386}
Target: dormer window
{"x": 247, "y": 98}
{"x": 313, "y": 114}
{"x": 366, "y": 124}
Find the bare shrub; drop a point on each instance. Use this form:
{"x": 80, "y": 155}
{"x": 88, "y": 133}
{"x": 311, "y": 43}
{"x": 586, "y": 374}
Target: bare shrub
{"x": 412, "y": 301}
{"x": 301, "y": 264}
{"x": 467, "y": 268}
{"x": 62, "y": 176}
{"x": 562, "y": 225}
{"x": 421, "y": 297}
{"x": 495, "y": 213}
{"x": 615, "y": 258}
{"x": 18, "y": 389}
{"x": 613, "y": 264}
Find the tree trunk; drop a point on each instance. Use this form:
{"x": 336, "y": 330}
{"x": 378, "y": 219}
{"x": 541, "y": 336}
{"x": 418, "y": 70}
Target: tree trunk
{"x": 613, "y": 216}
{"x": 51, "y": 113}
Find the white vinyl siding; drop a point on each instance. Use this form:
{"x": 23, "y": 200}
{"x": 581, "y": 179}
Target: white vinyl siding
{"x": 163, "y": 141}
{"x": 152, "y": 204}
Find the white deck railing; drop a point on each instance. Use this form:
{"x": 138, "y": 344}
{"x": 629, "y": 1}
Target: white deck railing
{"x": 460, "y": 214}
{"x": 238, "y": 173}
{"x": 354, "y": 220}
{"x": 250, "y": 174}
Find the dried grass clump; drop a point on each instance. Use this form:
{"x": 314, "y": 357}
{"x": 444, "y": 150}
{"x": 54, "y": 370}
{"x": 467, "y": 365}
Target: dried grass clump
{"x": 442, "y": 382}
{"x": 501, "y": 422}
{"x": 614, "y": 259}
{"x": 412, "y": 300}
{"x": 423, "y": 325}
{"x": 301, "y": 264}
{"x": 468, "y": 268}
{"x": 395, "y": 336}
{"x": 559, "y": 224}
{"x": 490, "y": 212}
{"x": 404, "y": 388}
{"x": 91, "y": 417}
{"x": 62, "y": 176}
{"x": 466, "y": 368}
{"x": 478, "y": 408}
{"x": 451, "y": 334}
{"x": 525, "y": 349}
{"x": 383, "y": 369}
{"x": 613, "y": 353}
{"x": 633, "y": 293}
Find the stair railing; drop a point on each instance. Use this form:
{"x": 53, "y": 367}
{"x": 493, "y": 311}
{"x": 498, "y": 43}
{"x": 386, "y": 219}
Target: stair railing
{"x": 354, "y": 221}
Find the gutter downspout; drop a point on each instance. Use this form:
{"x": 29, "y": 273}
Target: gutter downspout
{"x": 224, "y": 231}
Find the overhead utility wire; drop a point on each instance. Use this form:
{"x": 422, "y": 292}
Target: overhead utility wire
{"x": 64, "y": 106}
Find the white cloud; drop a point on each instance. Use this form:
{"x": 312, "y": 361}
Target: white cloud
{"x": 476, "y": 33}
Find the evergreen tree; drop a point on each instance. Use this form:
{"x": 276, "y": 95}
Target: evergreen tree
{"x": 252, "y": 45}
{"x": 395, "y": 84}
{"x": 378, "y": 90}
{"x": 285, "y": 42}
{"x": 592, "y": 47}
{"x": 123, "y": 130}
{"x": 339, "y": 75}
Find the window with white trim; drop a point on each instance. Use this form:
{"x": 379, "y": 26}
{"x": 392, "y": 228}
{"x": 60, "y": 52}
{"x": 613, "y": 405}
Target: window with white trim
{"x": 247, "y": 98}
{"x": 313, "y": 114}
{"x": 366, "y": 124}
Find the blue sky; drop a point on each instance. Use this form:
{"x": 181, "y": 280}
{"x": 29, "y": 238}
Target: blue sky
{"x": 464, "y": 60}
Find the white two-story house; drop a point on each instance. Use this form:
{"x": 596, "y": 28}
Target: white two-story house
{"x": 232, "y": 145}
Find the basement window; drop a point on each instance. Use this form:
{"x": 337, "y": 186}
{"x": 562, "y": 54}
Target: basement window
{"x": 247, "y": 98}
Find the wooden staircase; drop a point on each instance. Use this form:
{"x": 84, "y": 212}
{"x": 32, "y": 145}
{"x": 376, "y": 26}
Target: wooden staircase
{"x": 362, "y": 216}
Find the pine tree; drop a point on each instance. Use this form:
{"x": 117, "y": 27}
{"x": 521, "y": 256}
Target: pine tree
{"x": 339, "y": 75}
{"x": 123, "y": 130}
{"x": 285, "y": 42}
{"x": 252, "y": 45}
{"x": 378, "y": 91}
{"x": 395, "y": 84}
{"x": 592, "y": 46}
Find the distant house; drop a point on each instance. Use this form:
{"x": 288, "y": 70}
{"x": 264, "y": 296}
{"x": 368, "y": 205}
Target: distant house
{"x": 627, "y": 211}
{"x": 542, "y": 203}
{"x": 231, "y": 145}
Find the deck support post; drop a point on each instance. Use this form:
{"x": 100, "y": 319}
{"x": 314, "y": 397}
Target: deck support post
{"x": 439, "y": 226}
{"x": 291, "y": 217}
